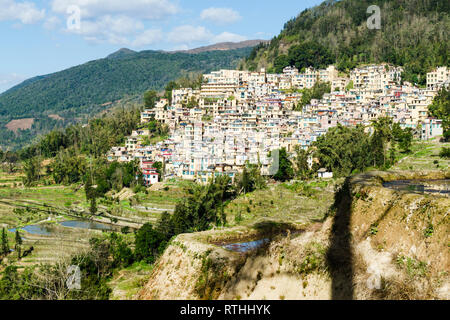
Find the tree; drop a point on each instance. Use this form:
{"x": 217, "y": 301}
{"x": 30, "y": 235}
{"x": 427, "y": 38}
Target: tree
{"x": 93, "y": 205}
{"x": 91, "y": 195}
{"x": 172, "y": 85}
{"x": 32, "y": 169}
{"x": 192, "y": 103}
{"x": 159, "y": 168}
{"x": 403, "y": 137}
{"x": 285, "y": 171}
{"x": 281, "y": 62}
{"x": 150, "y": 99}
{"x": 250, "y": 179}
{"x": 157, "y": 129}
{"x": 343, "y": 150}
{"x": 50, "y": 144}
{"x": 67, "y": 169}
{"x": 445, "y": 153}
{"x": 204, "y": 206}
{"x": 316, "y": 92}
{"x": 165, "y": 225}
{"x": 244, "y": 181}
{"x": 148, "y": 243}
{"x": 122, "y": 254}
{"x": 406, "y": 140}
{"x": 301, "y": 163}
{"x": 309, "y": 54}
{"x": 18, "y": 245}
{"x": 381, "y": 137}
{"x": 440, "y": 108}
{"x": 349, "y": 86}
{"x": 5, "y": 244}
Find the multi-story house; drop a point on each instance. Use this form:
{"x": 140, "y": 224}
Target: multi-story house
{"x": 438, "y": 78}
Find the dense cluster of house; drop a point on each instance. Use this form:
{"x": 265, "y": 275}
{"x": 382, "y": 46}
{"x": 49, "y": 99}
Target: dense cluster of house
{"x": 241, "y": 116}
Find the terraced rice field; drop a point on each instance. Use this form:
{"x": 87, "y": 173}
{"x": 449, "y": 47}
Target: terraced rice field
{"x": 57, "y": 196}
{"x": 282, "y": 202}
{"x": 425, "y": 156}
{"x": 8, "y": 180}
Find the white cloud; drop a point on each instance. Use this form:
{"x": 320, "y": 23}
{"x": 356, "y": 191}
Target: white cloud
{"x": 117, "y": 21}
{"x": 148, "y": 37}
{"x": 121, "y": 22}
{"x": 220, "y": 15}
{"x": 185, "y": 36}
{"x": 189, "y": 34}
{"x": 139, "y": 9}
{"x": 114, "y": 30}
{"x": 229, "y": 37}
{"x": 52, "y": 23}
{"x": 26, "y": 11}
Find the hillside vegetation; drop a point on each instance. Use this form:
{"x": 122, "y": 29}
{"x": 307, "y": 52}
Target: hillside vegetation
{"x": 414, "y": 34}
{"x": 90, "y": 88}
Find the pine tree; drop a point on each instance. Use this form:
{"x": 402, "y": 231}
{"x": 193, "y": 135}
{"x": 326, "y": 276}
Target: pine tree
{"x": 5, "y": 244}
{"x": 18, "y": 245}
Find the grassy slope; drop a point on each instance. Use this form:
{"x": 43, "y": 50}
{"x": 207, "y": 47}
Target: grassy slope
{"x": 423, "y": 156}
{"x": 296, "y": 202}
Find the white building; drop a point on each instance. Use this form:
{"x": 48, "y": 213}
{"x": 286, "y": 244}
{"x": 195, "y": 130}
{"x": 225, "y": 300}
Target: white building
{"x": 438, "y": 77}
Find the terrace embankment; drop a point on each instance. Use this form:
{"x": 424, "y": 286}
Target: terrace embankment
{"x": 376, "y": 243}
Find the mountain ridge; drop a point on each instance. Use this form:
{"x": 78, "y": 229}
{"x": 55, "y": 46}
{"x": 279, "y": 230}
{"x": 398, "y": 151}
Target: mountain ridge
{"x": 224, "y": 46}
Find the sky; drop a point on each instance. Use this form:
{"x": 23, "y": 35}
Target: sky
{"x": 44, "y": 36}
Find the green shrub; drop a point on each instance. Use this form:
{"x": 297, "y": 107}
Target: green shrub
{"x": 238, "y": 217}
{"x": 445, "y": 153}
{"x": 428, "y": 231}
{"x": 149, "y": 243}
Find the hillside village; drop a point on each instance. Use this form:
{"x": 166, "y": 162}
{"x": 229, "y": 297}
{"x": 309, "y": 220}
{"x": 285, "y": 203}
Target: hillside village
{"x": 240, "y": 116}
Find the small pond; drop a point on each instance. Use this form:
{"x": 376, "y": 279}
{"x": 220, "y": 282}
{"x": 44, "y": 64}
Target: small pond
{"x": 421, "y": 186}
{"x": 243, "y": 247}
{"x": 37, "y": 229}
{"x": 82, "y": 224}
{"x": 48, "y": 230}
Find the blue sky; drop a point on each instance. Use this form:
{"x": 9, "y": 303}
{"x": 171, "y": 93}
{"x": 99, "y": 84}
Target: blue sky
{"x": 44, "y": 36}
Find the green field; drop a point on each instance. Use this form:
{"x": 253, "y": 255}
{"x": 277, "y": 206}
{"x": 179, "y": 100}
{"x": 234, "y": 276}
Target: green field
{"x": 66, "y": 241}
{"x": 295, "y": 202}
{"x": 424, "y": 156}
{"x": 126, "y": 283}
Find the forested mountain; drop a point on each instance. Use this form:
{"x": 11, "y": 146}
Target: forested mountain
{"x": 88, "y": 89}
{"x": 414, "y": 34}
